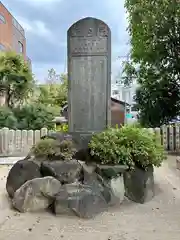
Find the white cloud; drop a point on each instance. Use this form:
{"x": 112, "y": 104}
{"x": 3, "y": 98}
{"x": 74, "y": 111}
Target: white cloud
{"x": 36, "y": 27}
{"x": 42, "y": 3}
{"x": 41, "y": 70}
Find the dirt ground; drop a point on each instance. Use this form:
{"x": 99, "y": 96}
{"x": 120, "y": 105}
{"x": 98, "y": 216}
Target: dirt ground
{"x": 158, "y": 219}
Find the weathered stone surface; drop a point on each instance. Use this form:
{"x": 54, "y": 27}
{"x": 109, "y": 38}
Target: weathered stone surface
{"x": 117, "y": 190}
{"x": 112, "y": 189}
{"x": 139, "y": 184}
{"x": 64, "y": 171}
{"x": 36, "y": 194}
{"x": 89, "y": 75}
{"x": 21, "y": 172}
{"x": 82, "y": 155}
{"x": 80, "y": 200}
{"x": 110, "y": 171}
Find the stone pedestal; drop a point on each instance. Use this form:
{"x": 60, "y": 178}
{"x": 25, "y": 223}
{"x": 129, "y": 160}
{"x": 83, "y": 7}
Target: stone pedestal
{"x": 81, "y": 139}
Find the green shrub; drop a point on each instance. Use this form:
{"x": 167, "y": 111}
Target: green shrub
{"x": 7, "y": 118}
{"x": 54, "y": 150}
{"x": 34, "y": 116}
{"x": 106, "y": 148}
{"x": 129, "y": 145}
{"x": 62, "y": 128}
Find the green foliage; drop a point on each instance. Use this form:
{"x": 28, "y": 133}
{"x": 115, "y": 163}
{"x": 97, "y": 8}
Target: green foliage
{"x": 34, "y": 116}
{"x": 62, "y": 128}
{"x": 128, "y": 145}
{"x": 129, "y": 73}
{"x": 7, "y": 118}
{"x": 154, "y": 28}
{"x": 16, "y": 79}
{"x": 106, "y": 148}
{"x": 53, "y": 150}
{"x": 54, "y": 91}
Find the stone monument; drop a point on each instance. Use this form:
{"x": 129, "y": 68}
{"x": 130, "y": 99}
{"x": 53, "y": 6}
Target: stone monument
{"x": 89, "y": 78}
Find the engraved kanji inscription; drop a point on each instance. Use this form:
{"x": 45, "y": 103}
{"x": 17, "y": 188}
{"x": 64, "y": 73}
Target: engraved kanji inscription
{"x": 88, "y": 45}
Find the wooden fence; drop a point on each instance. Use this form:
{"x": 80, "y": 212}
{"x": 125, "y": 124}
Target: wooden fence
{"x": 17, "y": 143}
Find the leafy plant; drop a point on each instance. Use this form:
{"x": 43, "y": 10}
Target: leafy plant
{"x": 154, "y": 29}
{"x": 128, "y": 145}
{"x": 144, "y": 146}
{"x": 16, "y": 79}
{"x": 62, "y": 128}
{"x": 7, "y": 118}
{"x": 34, "y": 116}
{"x": 105, "y": 147}
{"x": 51, "y": 149}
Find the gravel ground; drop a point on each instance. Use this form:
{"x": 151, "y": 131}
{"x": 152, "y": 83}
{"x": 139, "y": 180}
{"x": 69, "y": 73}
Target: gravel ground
{"x": 158, "y": 219}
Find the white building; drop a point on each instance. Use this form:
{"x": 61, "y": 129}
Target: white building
{"x": 124, "y": 93}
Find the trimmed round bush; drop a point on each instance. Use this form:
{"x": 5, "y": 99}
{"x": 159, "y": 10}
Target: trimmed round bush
{"x": 129, "y": 145}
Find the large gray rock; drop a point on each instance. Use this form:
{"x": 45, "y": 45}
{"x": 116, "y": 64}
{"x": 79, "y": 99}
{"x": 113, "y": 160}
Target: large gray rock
{"x": 111, "y": 188}
{"x": 21, "y": 172}
{"x": 116, "y": 190}
{"x": 64, "y": 171}
{"x": 36, "y": 194}
{"x": 80, "y": 200}
{"x": 139, "y": 184}
{"x": 110, "y": 171}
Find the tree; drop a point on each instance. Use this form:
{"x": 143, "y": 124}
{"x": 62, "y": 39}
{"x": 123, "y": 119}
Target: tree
{"x": 34, "y": 117}
{"x": 54, "y": 91}
{"x": 7, "y": 118}
{"x": 16, "y": 80}
{"x": 154, "y": 28}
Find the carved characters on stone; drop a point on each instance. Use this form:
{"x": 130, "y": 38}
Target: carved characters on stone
{"x": 103, "y": 31}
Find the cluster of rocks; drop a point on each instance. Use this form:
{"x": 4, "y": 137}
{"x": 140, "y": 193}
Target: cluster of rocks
{"x": 66, "y": 187}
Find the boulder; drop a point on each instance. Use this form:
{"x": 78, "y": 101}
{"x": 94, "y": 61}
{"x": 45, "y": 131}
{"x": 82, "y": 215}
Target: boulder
{"x": 64, "y": 171}
{"x": 36, "y": 194}
{"x": 139, "y": 184}
{"x": 80, "y": 200}
{"x": 110, "y": 186}
{"x": 116, "y": 190}
{"x": 110, "y": 171}
{"x": 21, "y": 172}
{"x": 82, "y": 155}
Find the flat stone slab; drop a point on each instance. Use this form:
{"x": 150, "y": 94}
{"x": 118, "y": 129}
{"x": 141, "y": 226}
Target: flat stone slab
{"x": 109, "y": 171}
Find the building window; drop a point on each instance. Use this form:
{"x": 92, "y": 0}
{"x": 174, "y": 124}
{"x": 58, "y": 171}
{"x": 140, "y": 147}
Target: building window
{"x": 2, "y": 19}
{"x": 20, "y": 47}
{"x": 2, "y": 47}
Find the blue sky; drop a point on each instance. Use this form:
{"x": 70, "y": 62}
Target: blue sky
{"x": 46, "y": 23}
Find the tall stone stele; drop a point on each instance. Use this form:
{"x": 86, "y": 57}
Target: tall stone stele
{"x": 89, "y": 78}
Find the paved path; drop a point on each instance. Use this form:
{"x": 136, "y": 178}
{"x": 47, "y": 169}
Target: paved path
{"x": 156, "y": 220}
{"x": 9, "y": 160}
